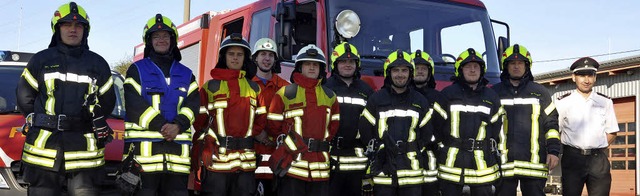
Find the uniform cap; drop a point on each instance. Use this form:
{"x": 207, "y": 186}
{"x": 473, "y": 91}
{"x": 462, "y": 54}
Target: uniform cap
{"x": 585, "y": 66}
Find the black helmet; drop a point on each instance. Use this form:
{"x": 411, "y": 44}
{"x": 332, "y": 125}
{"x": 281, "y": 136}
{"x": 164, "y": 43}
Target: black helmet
{"x": 235, "y": 39}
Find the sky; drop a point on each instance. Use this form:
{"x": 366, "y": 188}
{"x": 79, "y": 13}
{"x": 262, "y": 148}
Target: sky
{"x": 550, "y": 29}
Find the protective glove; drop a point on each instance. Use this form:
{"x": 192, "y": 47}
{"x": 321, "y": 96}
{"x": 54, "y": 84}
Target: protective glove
{"x": 367, "y": 187}
{"x": 101, "y": 127}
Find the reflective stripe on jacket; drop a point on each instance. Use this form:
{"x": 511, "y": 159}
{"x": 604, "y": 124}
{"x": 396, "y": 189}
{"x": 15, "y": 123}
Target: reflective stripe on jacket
{"x": 230, "y": 101}
{"x": 531, "y": 126}
{"x": 312, "y": 111}
{"x": 402, "y": 118}
{"x": 475, "y": 118}
{"x": 347, "y": 149}
{"x": 56, "y": 82}
{"x": 154, "y": 98}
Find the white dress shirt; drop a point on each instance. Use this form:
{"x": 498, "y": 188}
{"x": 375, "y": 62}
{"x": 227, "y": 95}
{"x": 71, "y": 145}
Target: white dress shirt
{"x": 585, "y": 123}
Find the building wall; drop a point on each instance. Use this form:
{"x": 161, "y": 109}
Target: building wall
{"x": 622, "y": 88}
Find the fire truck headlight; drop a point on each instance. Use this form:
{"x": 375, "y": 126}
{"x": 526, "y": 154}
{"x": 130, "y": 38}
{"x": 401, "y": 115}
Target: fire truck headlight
{"x": 348, "y": 23}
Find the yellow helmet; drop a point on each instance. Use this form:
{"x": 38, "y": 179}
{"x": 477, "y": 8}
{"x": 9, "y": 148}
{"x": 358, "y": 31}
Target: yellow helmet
{"x": 69, "y": 12}
{"x": 515, "y": 52}
{"x": 344, "y": 51}
{"x": 467, "y": 56}
{"x": 423, "y": 58}
{"x": 159, "y": 23}
{"x": 398, "y": 58}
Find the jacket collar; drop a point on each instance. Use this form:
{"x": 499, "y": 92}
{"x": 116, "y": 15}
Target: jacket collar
{"x": 305, "y": 82}
{"x": 226, "y": 74}
{"x": 481, "y": 84}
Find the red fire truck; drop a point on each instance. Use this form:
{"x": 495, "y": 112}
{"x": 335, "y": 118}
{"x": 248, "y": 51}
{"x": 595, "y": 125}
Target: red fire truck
{"x": 443, "y": 28}
{"x": 12, "y": 140}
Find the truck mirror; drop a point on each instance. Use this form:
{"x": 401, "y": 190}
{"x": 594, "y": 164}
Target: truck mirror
{"x": 283, "y": 38}
{"x": 503, "y": 44}
{"x": 285, "y": 11}
{"x": 204, "y": 21}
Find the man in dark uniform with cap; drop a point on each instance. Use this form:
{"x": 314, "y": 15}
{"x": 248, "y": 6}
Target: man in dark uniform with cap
{"x": 587, "y": 125}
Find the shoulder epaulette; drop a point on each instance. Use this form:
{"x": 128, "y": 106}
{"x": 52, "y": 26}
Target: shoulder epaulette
{"x": 563, "y": 96}
{"x": 254, "y": 85}
{"x": 213, "y": 85}
{"x": 328, "y": 91}
{"x": 603, "y": 95}
{"x": 290, "y": 91}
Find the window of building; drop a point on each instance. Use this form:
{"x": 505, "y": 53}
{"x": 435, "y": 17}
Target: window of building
{"x": 622, "y": 127}
{"x": 632, "y": 165}
{"x": 631, "y": 139}
{"x": 631, "y": 152}
{"x": 631, "y": 126}
{"x": 618, "y": 165}
{"x": 617, "y": 152}
{"x": 619, "y": 140}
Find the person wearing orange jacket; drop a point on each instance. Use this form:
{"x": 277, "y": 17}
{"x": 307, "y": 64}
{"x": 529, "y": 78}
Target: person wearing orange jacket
{"x": 264, "y": 56}
{"x": 307, "y": 114}
{"x": 231, "y": 116}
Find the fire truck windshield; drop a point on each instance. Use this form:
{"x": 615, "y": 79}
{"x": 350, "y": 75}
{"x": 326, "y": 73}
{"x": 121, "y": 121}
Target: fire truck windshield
{"x": 10, "y": 75}
{"x": 442, "y": 29}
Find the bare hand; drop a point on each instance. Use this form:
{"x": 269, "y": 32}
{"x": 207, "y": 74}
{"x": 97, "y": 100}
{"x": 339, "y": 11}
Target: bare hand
{"x": 169, "y": 131}
{"x": 552, "y": 161}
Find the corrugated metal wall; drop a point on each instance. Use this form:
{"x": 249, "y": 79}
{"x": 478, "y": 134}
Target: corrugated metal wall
{"x": 616, "y": 86}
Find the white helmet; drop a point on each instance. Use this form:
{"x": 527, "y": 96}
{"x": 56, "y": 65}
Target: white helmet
{"x": 311, "y": 53}
{"x": 265, "y": 44}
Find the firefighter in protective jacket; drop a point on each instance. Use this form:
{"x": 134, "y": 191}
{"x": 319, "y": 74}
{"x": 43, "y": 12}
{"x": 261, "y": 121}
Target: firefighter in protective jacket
{"x": 425, "y": 84}
{"x": 230, "y": 116}
{"x": 307, "y": 114}
{"x": 347, "y": 153}
{"x": 265, "y": 55}
{"x": 161, "y": 98}
{"x": 396, "y": 120}
{"x": 61, "y": 91}
{"x": 531, "y": 126}
{"x": 469, "y": 156}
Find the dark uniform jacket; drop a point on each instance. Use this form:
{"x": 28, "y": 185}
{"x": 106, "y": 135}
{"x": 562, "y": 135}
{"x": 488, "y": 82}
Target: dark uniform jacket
{"x": 398, "y": 121}
{"x": 346, "y": 145}
{"x": 55, "y": 83}
{"x": 472, "y": 134}
{"x": 438, "y": 120}
{"x": 531, "y": 126}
